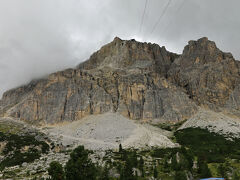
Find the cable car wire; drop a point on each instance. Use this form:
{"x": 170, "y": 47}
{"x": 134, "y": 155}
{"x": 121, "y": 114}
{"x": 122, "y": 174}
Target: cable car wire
{"x": 161, "y": 16}
{"x": 143, "y": 15}
{"x": 177, "y": 11}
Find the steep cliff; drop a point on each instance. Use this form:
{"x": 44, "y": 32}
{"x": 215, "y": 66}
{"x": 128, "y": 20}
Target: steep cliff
{"x": 141, "y": 81}
{"x": 207, "y": 74}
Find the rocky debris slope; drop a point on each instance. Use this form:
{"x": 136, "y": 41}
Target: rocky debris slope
{"x": 107, "y": 131}
{"x": 215, "y": 122}
{"x": 141, "y": 81}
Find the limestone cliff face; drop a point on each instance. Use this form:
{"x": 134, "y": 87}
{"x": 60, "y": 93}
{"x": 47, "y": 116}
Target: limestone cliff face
{"x": 142, "y": 81}
{"x": 130, "y": 55}
{"x": 207, "y": 74}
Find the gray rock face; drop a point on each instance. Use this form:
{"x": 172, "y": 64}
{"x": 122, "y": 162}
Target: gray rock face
{"x": 233, "y": 103}
{"x": 207, "y": 74}
{"x": 140, "y": 81}
{"x": 130, "y": 55}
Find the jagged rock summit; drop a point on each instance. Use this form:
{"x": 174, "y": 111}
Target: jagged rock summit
{"x": 131, "y": 55}
{"x": 141, "y": 81}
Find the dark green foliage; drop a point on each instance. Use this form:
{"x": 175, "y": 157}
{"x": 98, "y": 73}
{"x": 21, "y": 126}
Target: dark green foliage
{"x": 236, "y": 176}
{"x": 166, "y": 167}
{"x": 180, "y": 175}
{"x": 210, "y": 146}
{"x": 175, "y": 166}
{"x": 155, "y": 173}
{"x": 203, "y": 170}
{"x": 12, "y": 150}
{"x": 133, "y": 159}
{"x": 16, "y": 142}
{"x": 171, "y": 127}
{"x": 141, "y": 165}
{"x": 129, "y": 161}
{"x": 80, "y": 166}
{"x": 167, "y": 152}
{"x": 222, "y": 170}
{"x": 128, "y": 170}
{"x": 104, "y": 174}
{"x": 120, "y": 148}
{"x": 56, "y": 171}
{"x": 185, "y": 158}
{"x": 18, "y": 158}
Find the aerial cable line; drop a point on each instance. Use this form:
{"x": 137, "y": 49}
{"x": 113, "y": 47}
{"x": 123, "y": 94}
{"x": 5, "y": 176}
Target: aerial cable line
{"x": 144, "y": 12}
{"x": 177, "y": 11}
{"x": 161, "y": 16}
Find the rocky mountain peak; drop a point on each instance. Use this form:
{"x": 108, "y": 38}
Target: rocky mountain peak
{"x": 141, "y": 81}
{"x": 208, "y": 74}
{"x": 202, "y": 51}
{"x": 130, "y": 54}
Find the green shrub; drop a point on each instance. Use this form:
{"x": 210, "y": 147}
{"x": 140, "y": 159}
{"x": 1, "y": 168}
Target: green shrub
{"x": 80, "y": 166}
{"x": 56, "y": 171}
{"x": 12, "y": 150}
{"x": 210, "y": 146}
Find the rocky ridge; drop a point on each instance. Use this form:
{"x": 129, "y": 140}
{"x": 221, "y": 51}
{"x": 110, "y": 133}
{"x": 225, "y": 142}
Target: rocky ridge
{"x": 141, "y": 81}
{"x": 91, "y": 104}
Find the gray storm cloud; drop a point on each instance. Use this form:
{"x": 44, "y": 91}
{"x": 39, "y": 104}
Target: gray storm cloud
{"x": 40, "y": 37}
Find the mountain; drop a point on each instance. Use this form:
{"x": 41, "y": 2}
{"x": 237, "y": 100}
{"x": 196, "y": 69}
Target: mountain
{"x": 136, "y": 108}
{"x": 141, "y": 81}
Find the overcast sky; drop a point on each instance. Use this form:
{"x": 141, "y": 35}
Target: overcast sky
{"x": 38, "y": 37}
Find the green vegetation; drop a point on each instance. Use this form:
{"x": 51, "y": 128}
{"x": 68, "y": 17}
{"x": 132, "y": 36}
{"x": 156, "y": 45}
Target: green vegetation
{"x": 19, "y": 149}
{"x": 170, "y": 127}
{"x": 80, "y": 166}
{"x": 209, "y": 146}
{"x": 10, "y": 128}
{"x": 56, "y": 171}
{"x": 216, "y": 155}
{"x": 202, "y": 154}
{"x": 130, "y": 164}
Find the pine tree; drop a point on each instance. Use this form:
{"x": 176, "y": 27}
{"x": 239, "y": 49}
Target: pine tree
{"x": 221, "y": 170}
{"x": 141, "y": 166}
{"x": 203, "y": 170}
{"x": 120, "y": 148}
{"x": 133, "y": 159}
{"x": 104, "y": 174}
{"x": 174, "y": 164}
{"x": 56, "y": 171}
{"x": 155, "y": 173}
{"x": 127, "y": 170}
{"x": 80, "y": 166}
{"x": 180, "y": 175}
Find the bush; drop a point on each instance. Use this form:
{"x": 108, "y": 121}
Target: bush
{"x": 180, "y": 175}
{"x": 56, "y": 171}
{"x": 12, "y": 150}
{"x": 210, "y": 146}
{"x": 80, "y": 166}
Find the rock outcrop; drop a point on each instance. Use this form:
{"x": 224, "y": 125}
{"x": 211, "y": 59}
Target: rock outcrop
{"x": 141, "y": 81}
{"x": 207, "y": 74}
